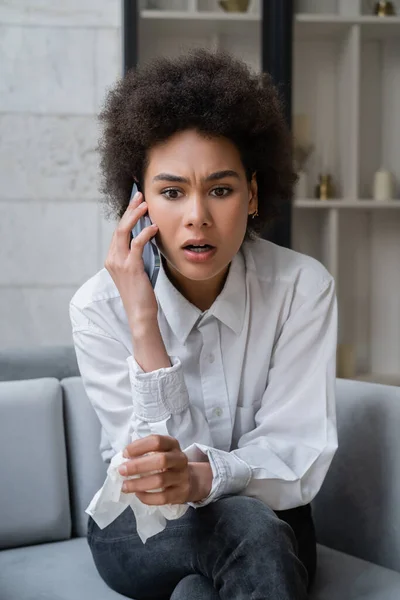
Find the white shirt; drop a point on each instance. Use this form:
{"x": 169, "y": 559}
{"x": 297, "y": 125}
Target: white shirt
{"x": 252, "y": 382}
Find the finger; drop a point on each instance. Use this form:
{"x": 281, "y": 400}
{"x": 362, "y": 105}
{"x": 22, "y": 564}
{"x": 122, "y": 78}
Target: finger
{"x": 160, "y": 461}
{"x": 172, "y": 495}
{"x": 151, "y": 443}
{"x": 138, "y": 242}
{"x": 135, "y": 201}
{"x": 153, "y": 482}
{"x": 126, "y": 224}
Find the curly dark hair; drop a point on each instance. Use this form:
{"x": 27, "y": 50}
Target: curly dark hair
{"x": 213, "y": 93}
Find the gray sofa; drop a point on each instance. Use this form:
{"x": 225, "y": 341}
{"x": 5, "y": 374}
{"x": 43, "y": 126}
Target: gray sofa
{"x": 51, "y": 468}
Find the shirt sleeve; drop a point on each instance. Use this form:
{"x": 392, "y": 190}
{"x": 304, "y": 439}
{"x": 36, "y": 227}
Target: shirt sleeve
{"x": 129, "y": 403}
{"x": 285, "y": 458}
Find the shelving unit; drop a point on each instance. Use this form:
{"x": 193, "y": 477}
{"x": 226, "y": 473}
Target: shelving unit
{"x": 347, "y": 80}
{"x": 338, "y": 204}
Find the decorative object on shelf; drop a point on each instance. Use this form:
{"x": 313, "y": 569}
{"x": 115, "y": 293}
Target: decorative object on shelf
{"x": 383, "y": 188}
{"x": 325, "y": 190}
{"x": 301, "y": 190}
{"x": 234, "y": 5}
{"x": 302, "y": 149}
{"x": 384, "y": 9}
{"x": 301, "y": 155}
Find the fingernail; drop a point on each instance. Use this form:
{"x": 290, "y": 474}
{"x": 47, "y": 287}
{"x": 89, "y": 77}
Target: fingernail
{"x": 125, "y": 453}
{"x": 123, "y": 470}
{"x": 124, "y": 487}
{"x": 136, "y": 196}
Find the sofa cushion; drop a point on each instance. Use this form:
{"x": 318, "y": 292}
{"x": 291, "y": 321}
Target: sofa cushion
{"x": 87, "y": 471}
{"x": 38, "y": 362}
{"x": 344, "y": 577}
{"x": 58, "y": 571}
{"x": 66, "y": 571}
{"x": 361, "y": 493}
{"x": 33, "y": 470}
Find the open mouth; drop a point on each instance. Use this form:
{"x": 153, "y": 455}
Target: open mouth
{"x": 199, "y": 249}
{"x": 199, "y": 254}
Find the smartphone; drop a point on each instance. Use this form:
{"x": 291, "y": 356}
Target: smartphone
{"x": 151, "y": 254}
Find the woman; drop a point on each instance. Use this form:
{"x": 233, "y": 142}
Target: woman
{"x": 226, "y": 371}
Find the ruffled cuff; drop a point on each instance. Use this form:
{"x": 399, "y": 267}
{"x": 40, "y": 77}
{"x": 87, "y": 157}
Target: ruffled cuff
{"x": 158, "y": 394}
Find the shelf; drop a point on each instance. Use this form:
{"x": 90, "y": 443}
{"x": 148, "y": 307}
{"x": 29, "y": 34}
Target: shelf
{"x": 197, "y": 24}
{"x": 347, "y": 204}
{"x": 380, "y": 28}
{"x": 199, "y": 16}
{"x": 378, "y": 378}
{"x": 307, "y": 26}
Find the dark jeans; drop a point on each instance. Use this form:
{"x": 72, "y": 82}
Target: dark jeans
{"x": 236, "y": 548}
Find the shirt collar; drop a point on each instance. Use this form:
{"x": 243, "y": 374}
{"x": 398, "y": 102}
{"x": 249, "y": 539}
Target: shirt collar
{"x": 228, "y": 307}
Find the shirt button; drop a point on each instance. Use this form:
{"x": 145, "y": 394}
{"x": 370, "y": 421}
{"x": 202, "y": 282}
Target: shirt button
{"x": 218, "y": 411}
{"x": 211, "y": 358}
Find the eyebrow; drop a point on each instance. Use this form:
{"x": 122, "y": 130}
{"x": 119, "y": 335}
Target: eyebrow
{"x": 212, "y": 177}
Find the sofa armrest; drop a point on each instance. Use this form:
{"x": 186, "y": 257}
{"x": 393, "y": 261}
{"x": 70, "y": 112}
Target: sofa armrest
{"x": 34, "y": 496}
{"x": 357, "y": 510}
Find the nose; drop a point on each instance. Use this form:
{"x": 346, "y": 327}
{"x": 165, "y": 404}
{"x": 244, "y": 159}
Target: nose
{"x": 197, "y": 211}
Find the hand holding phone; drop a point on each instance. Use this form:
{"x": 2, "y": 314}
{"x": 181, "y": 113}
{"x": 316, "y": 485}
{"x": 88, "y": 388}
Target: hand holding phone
{"x": 125, "y": 264}
{"x": 151, "y": 255}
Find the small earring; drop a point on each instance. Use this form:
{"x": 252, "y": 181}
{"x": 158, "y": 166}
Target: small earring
{"x": 255, "y": 214}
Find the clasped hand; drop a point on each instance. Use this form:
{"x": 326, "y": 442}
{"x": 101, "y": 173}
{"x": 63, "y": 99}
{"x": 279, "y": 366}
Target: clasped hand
{"x": 174, "y": 478}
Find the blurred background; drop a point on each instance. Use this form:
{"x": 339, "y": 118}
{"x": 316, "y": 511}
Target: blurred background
{"x": 56, "y": 60}
{"x": 337, "y": 64}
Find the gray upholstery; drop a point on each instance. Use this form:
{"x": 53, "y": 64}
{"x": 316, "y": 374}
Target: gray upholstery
{"x": 59, "y": 571}
{"x": 361, "y": 493}
{"x": 87, "y": 470}
{"x": 28, "y": 363}
{"x": 343, "y": 577}
{"x": 34, "y": 500}
{"x": 357, "y": 510}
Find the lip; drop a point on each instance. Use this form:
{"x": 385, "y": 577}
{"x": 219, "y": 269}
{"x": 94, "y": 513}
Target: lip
{"x": 197, "y": 242}
{"x": 199, "y": 257}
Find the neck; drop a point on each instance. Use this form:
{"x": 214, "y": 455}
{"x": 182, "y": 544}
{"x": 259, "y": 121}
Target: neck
{"x": 199, "y": 293}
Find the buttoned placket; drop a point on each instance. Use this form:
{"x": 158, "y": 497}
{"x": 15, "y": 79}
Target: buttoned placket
{"x": 215, "y": 393}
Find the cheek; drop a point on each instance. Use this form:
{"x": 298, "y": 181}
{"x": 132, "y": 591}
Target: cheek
{"x": 167, "y": 227}
{"x": 234, "y": 218}
{"x": 162, "y": 217}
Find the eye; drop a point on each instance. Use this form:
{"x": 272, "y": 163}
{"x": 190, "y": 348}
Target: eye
{"x": 222, "y": 189}
{"x": 220, "y": 192}
{"x": 173, "y": 191}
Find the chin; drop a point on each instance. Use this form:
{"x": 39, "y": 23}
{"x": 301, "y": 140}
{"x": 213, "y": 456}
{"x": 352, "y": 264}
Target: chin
{"x": 196, "y": 271}
{"x": 201, "y": 272}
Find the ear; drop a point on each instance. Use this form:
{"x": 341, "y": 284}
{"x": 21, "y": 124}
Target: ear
{"x": 253, "y": 195}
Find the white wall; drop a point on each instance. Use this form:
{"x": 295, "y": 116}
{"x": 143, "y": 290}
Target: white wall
{"x": 57, "y": 60}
